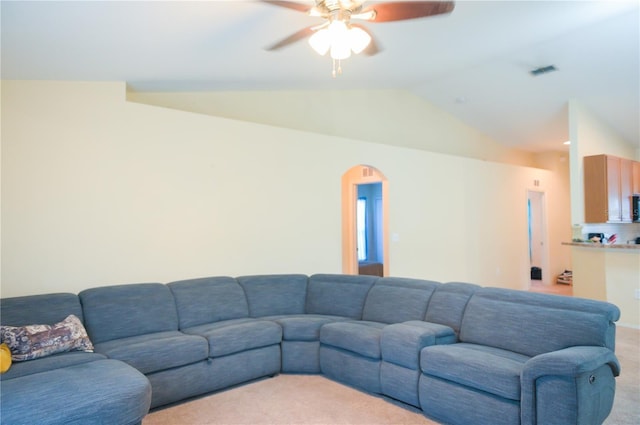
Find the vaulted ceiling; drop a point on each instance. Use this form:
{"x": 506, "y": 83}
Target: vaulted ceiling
{"x": 473, "y": 63}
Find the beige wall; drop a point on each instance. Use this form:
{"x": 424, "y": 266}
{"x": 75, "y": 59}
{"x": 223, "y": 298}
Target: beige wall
{"x": 558, "y": 213}
{"x": 590, "y": 136}
{"x": 611, "y": 275}
{"x": 623, "y": 280}
{"x": 97, "y": 190}
{"x": 393, "y": 117}
{"x": 390, "y": 117}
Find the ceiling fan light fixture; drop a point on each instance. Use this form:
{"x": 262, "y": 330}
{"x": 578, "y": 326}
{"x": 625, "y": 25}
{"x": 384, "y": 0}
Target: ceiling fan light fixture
{"x": 340, "y": 40}
{"x": 320, "y": 41}
{"x": 340, "y": 50}
{"x": 358, "y": 39}
{"x": 338, "y": 30}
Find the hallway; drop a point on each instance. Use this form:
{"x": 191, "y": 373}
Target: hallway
{"x": 555, "y": 288}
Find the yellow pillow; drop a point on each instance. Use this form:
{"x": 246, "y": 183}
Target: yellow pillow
{"x": 5, "y": 358}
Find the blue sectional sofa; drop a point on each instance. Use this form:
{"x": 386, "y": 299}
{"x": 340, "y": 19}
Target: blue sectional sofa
{"x": 461, "y": 353}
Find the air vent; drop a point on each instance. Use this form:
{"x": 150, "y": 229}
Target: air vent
{"x": 543, "y": 70}
{"x": 367, "y": 172}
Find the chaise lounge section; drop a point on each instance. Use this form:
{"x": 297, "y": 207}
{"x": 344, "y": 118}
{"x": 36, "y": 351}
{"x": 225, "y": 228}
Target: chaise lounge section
{"x": 74, "y": 387}
{"x": 513, "y": 357}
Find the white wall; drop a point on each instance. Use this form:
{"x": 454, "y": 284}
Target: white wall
{"x": 97, "y": 190}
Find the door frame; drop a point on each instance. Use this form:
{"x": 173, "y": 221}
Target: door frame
{"x": 539, "y": 196}
{"x": 361, "y": 174}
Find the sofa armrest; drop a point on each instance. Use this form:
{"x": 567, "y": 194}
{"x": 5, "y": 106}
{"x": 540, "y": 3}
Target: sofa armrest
{"x": 583, "y": 372}
{"x": 571, "y": 361}
{"x": 401, "y": 343}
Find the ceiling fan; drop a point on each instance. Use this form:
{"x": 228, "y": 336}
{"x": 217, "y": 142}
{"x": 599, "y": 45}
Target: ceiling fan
{"x": 339, "y": 36}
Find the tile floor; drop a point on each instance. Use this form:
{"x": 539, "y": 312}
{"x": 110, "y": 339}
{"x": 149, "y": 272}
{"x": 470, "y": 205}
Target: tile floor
{"x": 555, "y": 288}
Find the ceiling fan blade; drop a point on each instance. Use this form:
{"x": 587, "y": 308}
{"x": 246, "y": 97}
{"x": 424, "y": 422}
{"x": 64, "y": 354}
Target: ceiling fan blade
{"x": 373, "y": 47}
{"x": 305, "y": 8}
{"x": 403, "y": 10}
{"x": 297, "y": 36}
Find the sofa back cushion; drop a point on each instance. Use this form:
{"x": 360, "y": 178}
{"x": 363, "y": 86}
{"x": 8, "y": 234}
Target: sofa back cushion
{"x": 448, "y": 303}
{"x": 44, "y": 309}
{"x": 534, "y": 323}
{"x": 208, "y": 300}
{"x": 120, "y": 311}
{"x": 272, "y": 295}
{"x": 338, "y": 295}
{"x": 395, "y": 300}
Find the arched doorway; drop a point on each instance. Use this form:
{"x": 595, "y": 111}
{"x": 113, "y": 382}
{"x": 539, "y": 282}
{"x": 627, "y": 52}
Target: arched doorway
{"x": 354, "y": 178}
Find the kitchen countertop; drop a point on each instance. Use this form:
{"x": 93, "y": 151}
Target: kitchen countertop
{"x": 603, "y": 245}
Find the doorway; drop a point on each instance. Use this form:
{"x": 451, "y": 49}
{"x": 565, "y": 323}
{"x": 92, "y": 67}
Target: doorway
{"x": 369, "y": 235}
{"x": 364, "y": 222}
{"x": 536, "y": 222}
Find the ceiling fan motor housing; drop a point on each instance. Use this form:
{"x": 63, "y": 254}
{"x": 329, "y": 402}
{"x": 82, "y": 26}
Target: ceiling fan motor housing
{"x": 333, "y": 5}
{"x": 337, "y": 9}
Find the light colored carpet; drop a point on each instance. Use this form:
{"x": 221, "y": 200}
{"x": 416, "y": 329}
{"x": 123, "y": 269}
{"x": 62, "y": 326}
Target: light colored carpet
{"x": 626, "y": 405}
{"x": 288, "y": 399}
{"x": 315, "y": 400}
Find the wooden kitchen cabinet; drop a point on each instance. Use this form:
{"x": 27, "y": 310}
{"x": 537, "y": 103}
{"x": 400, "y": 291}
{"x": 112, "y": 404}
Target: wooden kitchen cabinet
{"x": 608, "y": 186}
{"x": 626, "y": 189}
{"x": 636, "y": 177}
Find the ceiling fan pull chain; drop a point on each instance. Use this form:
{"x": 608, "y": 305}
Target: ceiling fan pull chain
{"x": 339, "y": 68}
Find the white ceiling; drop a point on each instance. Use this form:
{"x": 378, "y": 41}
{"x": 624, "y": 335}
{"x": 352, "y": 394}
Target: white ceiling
{"x": 473, "y": 63}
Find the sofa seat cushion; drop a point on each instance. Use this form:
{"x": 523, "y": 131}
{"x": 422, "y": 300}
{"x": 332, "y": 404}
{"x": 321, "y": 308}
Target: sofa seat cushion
{"x": 157, "y": 351}
{"x": 304, "y": 327}
{"x": 360, "y": 337}
{"x": 234, "y": 336}
{"x": 489, "y": 369}
{"x": 55, "y": 361}
{"x": 99, "y": 392}
{"x": 401, "y": 343}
